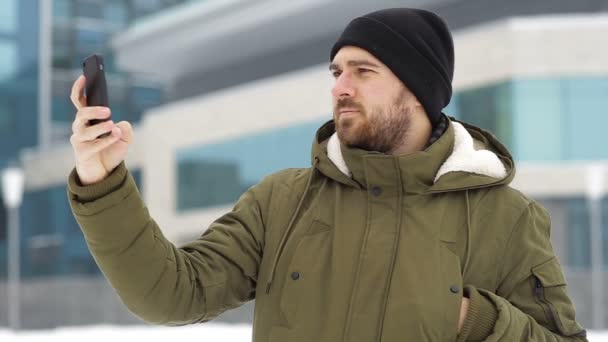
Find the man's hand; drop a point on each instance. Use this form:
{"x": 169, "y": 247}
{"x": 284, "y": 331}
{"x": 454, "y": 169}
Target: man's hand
{"x": 96, "y": 158}
{"x": 464, "y": 308}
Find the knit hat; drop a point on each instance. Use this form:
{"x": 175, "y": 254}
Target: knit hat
{"x": 415, "y": 44}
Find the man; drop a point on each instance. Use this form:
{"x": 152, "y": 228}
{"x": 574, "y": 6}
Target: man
{"x": 403, "y": 229}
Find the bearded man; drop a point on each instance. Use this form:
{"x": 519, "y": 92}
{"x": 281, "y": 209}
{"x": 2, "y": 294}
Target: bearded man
{"x": 403, "y": 229}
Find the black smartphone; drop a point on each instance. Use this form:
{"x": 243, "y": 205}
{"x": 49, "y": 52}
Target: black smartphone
{"x": 96, "y": 89}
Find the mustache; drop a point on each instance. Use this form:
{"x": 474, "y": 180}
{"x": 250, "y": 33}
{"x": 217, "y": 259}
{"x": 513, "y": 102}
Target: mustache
{"x": 347, "y": 103}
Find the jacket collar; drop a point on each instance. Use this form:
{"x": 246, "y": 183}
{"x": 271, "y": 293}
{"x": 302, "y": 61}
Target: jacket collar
{"x": 455, "y": 151}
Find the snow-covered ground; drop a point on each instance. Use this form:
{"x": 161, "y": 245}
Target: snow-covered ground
{"x": 202, "y": 332}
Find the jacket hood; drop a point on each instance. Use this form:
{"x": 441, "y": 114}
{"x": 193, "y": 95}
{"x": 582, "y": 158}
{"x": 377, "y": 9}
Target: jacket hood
{"x": 464, "y": 157}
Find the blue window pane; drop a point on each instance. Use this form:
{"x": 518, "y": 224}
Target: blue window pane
{"x": 489, "y": 108}
{"x": 50, "y": 237}
{"x": 3, "y": 260}
{"x": 579, "y": 234}
{"x": 218, "y": 174}
{"x": 142, "y": 99}
{"x": 560, "y": 118}
{"x": 18, "y": 116}
{"x": 90, "y": 9}
{"x": 116, "y": 12}
{"x": 52, "y": 242}
{"x": 538, "y": 122}
{"x": 90, "y": 41}
{"x": 584, "y": 102}
{"x": 8, "y": 59}
{"x": 62, "y": 47}
{"x": 62, "y": 9}
{"x": 62, "y": 109}
{"x": 8, "y": 16}
{"x": 605, "y": 231}
{"x": 541, "y": 119}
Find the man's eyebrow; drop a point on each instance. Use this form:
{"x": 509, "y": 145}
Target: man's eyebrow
{"x": 355, "y": 63}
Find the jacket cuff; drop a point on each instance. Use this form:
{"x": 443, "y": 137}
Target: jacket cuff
{"x": 89, "y": 193}
{"x": 481, "y": 317}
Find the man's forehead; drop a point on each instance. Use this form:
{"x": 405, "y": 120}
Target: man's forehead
{"x": 351, "y": 55}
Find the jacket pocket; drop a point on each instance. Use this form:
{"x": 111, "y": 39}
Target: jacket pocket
{"x": 304, "y": 274}
{"x": 550, "y": 293}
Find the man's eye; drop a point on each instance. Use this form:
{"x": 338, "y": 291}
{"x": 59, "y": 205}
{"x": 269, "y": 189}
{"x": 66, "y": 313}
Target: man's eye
{"x": 362, "y": 70}
{"x": 336, "y": 74}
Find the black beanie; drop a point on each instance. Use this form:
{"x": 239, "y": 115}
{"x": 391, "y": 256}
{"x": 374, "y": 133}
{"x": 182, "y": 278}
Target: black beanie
{"x": 415, "y": 44}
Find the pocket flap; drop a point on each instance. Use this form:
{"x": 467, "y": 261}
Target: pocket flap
{"x": 550, "y": 273}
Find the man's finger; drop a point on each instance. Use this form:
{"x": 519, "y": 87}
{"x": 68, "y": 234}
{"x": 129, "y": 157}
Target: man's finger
{"x": 89, "y": 113}
{"x": 126, "y": 131}
{"x": 100, "y": 144}
{"x": 87, "y": 149}
{"x": 91, "y": 133}
{"x": 77, "y": 96}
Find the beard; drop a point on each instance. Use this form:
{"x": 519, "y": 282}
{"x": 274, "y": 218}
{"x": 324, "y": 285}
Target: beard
{"x": 383, "y": 131}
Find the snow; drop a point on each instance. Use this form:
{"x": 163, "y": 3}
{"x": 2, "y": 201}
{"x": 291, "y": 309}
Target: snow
{"x": 206, "y": 332}
{"x": 105, "y": 333}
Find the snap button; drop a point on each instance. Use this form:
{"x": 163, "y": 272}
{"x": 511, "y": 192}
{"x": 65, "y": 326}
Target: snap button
{"x": 454, "y": 289}
{"x": 376, "y": 191}
{"x": 295, "y": 275}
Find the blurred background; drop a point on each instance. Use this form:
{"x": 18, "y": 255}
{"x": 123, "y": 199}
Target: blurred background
{"x": 223, "y": 92}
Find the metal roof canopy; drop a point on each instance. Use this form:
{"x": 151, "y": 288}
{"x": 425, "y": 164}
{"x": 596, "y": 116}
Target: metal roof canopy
{"x": 204, "y": 36}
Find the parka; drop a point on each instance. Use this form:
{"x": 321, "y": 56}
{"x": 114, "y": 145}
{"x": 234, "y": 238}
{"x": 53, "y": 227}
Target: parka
{"x": 361, "y": 246}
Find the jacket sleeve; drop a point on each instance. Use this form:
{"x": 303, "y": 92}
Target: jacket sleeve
{"x": 157, "y": 281}
{"x": 531, "y": 302}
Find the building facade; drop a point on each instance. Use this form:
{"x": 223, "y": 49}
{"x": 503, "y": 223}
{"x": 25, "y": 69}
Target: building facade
{"x": 42, "y": 45}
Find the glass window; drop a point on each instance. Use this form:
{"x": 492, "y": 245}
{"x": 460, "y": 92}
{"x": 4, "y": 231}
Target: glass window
{"x": 579, "y": 234}
{"x": 62, "y": 47}
{"x": 584, "y": 102}
{"x": 7, "y": 118}
{"x": 3, "y": 238}
{"x": 543, "y": 118}
{"x": 8, "y": 59}
{"x": 3, "y": 218}
{"x": 89, "y": 9}
{"x": 141, "y": 99}
{"x": 90, "y": 41}
{"x": 62, "y": 109}
{"x": 8, "y": 16}
{"x": 489, "y": 108}
{"x": 116, "y": 12}
{"x": 605, "y": 230}
{"x": 52, "y": 241}
{"x": 538, "y": 119}
{"x": 218, "y": 174}
{"x": 18, "y": 116}
{"x": 63, "y": 8}
{"x": 9, "y": 121}
{"x": 571, "y": 231}
{"x": 3, "y": 260}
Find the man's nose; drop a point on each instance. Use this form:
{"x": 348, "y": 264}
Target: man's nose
{"x": 343, "y": 87}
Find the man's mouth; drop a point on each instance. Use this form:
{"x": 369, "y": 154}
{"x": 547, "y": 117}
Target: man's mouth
{"x": 347, "y": 112}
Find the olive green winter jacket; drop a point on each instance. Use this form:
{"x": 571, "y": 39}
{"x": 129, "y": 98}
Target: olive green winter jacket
{"x": 360, "y": 247}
